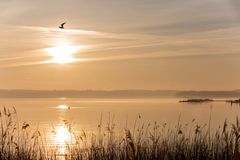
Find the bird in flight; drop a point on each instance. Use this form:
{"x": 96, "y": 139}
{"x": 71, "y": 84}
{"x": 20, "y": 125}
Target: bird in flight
{"x": 62, "y": 25}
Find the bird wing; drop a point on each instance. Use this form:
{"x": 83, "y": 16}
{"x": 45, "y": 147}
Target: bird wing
{"x": 63, "y": 24}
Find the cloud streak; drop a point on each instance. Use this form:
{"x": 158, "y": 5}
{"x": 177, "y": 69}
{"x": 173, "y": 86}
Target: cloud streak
{"x": 153, "y": 46}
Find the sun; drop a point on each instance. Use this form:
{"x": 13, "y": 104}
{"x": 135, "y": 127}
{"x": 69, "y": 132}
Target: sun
{"x": 63, "y": 53}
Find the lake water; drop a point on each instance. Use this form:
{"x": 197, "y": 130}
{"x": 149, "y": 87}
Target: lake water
{"x": 85, "y": 114}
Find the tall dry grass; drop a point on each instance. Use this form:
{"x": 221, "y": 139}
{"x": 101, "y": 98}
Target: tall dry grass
{"x": 142, "y": 142}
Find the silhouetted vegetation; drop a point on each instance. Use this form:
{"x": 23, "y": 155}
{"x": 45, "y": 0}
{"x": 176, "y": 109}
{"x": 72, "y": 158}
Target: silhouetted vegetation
{"x": 142, "y": 142}
{"x": 234, "y": 101}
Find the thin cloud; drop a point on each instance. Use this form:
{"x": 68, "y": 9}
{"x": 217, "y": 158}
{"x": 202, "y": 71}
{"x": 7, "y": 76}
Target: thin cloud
{"x": 66, "y": 31}
{"x": 84, "y": 32}
{"x": 17, "y": 57}
{"x": 23, "y": 64}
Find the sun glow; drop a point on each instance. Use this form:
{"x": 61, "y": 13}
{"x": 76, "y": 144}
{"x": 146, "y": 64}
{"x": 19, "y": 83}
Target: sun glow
{"x": 63, "y": 53}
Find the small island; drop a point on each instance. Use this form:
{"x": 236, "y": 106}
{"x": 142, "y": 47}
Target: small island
{"x": 196, "y": 100}
{"x": 233, "y": 101}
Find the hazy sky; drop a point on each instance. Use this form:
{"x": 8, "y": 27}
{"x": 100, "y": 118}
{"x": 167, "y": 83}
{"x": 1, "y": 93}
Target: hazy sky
{"x": 120, "y": 44}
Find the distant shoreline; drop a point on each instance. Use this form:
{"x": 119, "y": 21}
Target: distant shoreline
{"x": 117, "y": 94}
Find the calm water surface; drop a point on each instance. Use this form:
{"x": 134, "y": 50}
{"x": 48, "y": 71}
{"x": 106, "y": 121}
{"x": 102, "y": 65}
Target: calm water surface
{"x": 86, "y": 113}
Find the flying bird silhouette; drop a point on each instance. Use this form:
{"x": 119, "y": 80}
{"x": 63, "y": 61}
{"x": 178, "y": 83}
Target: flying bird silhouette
{"x": 62, "y": 25}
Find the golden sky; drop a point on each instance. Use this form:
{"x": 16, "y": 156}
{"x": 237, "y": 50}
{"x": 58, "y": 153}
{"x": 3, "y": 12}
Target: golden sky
{"x": 127, "y": 44}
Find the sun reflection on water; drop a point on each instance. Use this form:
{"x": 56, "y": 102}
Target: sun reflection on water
{"x": 62, "y": 140}
{"x": 62, "y": 135}
{"x": 63, "y": 106}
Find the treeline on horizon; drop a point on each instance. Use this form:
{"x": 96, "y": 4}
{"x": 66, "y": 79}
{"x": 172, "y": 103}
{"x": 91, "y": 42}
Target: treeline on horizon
{"x": 115, "y": 94}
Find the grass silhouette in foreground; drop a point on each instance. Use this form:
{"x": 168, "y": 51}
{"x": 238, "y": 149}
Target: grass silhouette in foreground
{"x": 142, "y": 142}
